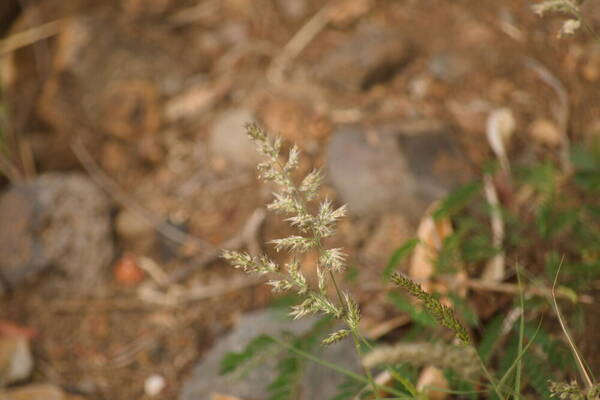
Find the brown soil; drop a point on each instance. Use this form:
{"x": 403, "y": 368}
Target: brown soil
{"x": 139, "y": 83}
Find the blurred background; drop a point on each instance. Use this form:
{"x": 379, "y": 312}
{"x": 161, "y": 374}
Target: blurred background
{"x": 125, "y": 166}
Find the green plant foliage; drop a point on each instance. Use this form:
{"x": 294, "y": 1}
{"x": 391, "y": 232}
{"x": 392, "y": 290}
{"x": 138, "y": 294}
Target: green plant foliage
{"x": 398, "y": 255}
{"x": 348, "y": 389}
{"x": 404, "y": 374}
{"x": 449, "y": 258}
{"x": 508, "y": 357}
{"x": 289, "y": 372}
{"x": 537, "y": 373}
{"x": 464, "y": 310}
{"x": 459, "y": 385}
{"x": 456, "y": 201}
{"x": 290, "y": 369}
{"x": 417, "y": 316}
{"x": 233, "y": 361}
{"x": 479, "y": 247}
{"x": 572, "y": 391}
{"x": 541, "y": 177}
{"x": 491, "y": 334}
{"x": 556, "y": 352}
{"x": 550, "y": 219}
{"x": 586, "y": 162}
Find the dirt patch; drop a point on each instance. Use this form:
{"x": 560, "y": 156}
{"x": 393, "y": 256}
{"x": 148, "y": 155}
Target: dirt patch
{"x": 141, "y": 87}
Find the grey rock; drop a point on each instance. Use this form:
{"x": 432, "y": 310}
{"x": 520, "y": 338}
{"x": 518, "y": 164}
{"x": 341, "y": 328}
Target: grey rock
{"x": 402, "y": 171}
{"x": 228, "y": 139}
{"x": 371, "y": 55}
{"x": 318, "y": 383}
{"x": 56, "y": 219}
{"x": 369, "y": 178}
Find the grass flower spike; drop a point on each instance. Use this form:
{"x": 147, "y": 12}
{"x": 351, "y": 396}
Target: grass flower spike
{"x": 293, "y": 200}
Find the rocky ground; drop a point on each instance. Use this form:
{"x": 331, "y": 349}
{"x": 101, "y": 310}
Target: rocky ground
{"x": 130, "y": 169}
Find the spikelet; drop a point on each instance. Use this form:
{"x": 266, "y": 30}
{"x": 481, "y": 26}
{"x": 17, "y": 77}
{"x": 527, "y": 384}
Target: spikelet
{"x": 293, "y": 200}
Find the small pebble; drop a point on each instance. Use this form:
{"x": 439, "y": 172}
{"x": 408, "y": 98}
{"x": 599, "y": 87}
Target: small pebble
{"x": 127, "y": 272}
{"x": 16, "y": 361}
{"x": 154, "y": 384}
{"x": 228, "y": 140}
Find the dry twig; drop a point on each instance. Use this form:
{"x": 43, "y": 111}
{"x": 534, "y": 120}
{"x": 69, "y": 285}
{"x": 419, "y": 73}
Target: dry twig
{"x": 298, "y": 42}
{"x": 494, "y": 270}
{"x": 30, "y": 36}
{"x": 511, "y": 288}
{"x": 581, "y": 364}
{"x": 562, "y": 109}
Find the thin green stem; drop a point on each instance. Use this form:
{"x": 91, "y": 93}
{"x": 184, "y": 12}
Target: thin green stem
{"x": 337, "y": 289}
{"x": 490, "y": 378}
{"x": 581, "y": 365}
{"x": 356, "y": 338}
{"x": 521, "y": 335}
{"x": 504, "y": 378}
{"x": 335, "y": 367}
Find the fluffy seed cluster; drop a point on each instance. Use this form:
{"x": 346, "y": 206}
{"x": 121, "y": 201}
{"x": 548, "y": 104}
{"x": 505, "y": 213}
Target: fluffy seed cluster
{"x": 293, "y": 201}
{"x": 566, "y": 6}
{"x": 569, "y": 7}
{"x": 462, "y": 359}
{"x": 572, "y": 391}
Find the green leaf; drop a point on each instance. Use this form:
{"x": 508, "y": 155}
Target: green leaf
{"x": 584, "y": 159}
{"x": 552, "y": 221}
{"x": 287, "y": 380}
{"x": 466, "y": 389}
{"x": 592, "y": 210}
{"x": 514, "y": 343}
{"x": 519, "y": 368}
{"x": 491, "y": 334}
{"x": 404, "y": 381}
{"x": 464, "y": 309}
{"x": 417, "y": 315}
{"x": 348, "y": 389}
{"x": 478, "y": 247}
{"x": 541, "y": 176}
{"x": 558, "y": 354}
{"x": 537, "y": 374}
{"x": 398, "y": 255}
{"x": 233, "y": 361}
{"x": 449, "y": 259}
{"x": 457, "y": 200}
